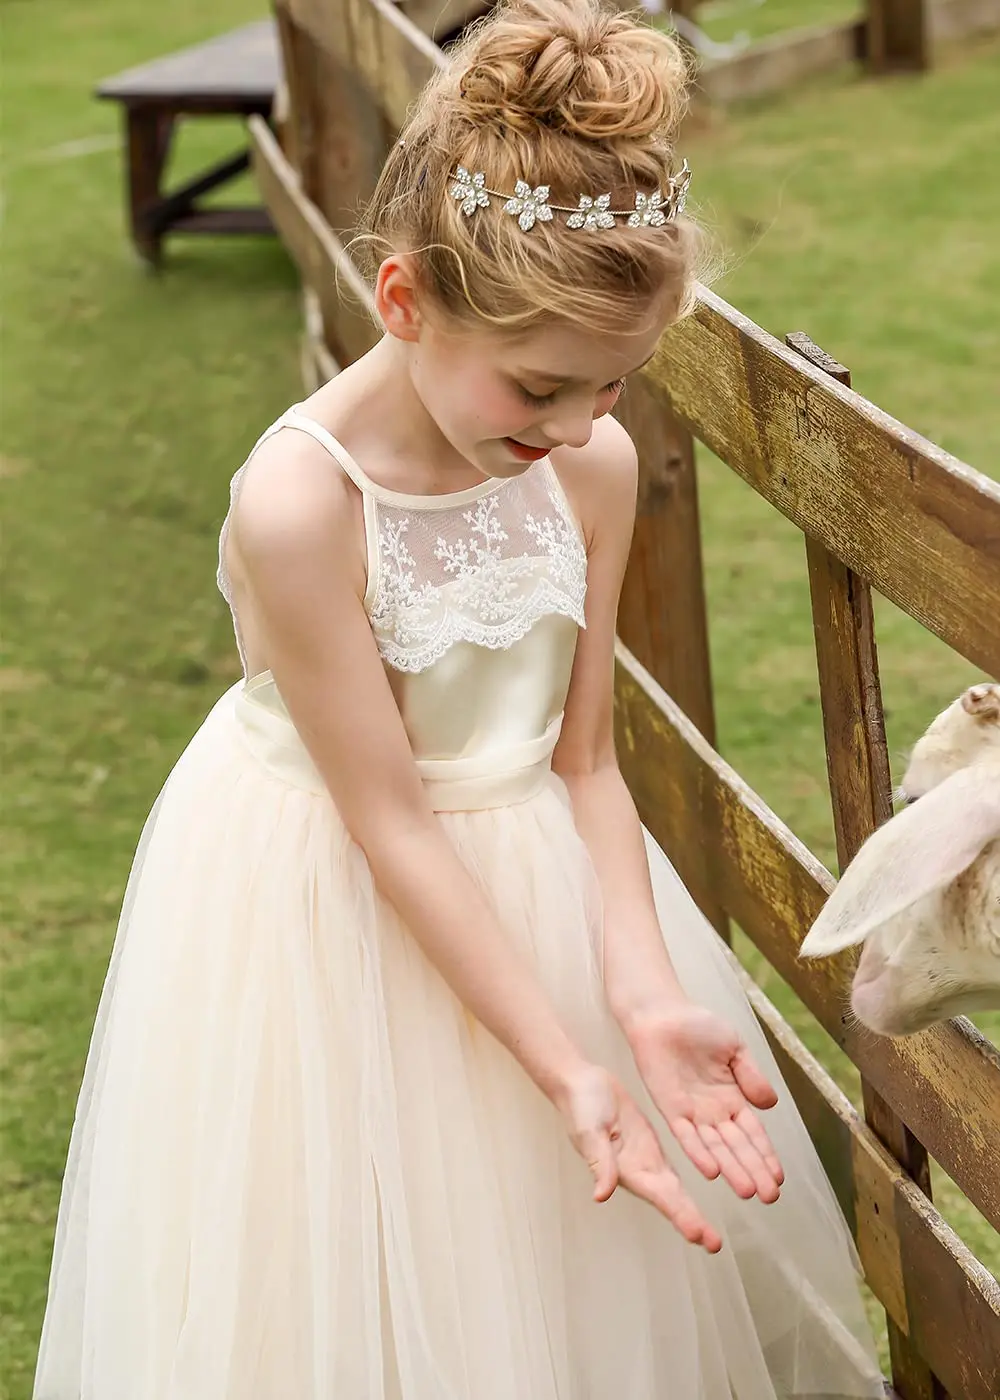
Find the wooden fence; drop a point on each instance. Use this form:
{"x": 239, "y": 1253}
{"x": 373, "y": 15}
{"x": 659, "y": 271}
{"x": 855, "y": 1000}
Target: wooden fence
{"x": 879, "y": 507}
{"x": 886, "y": 35}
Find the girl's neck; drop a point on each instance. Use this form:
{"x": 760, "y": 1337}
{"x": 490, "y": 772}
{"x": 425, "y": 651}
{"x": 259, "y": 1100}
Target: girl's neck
{"x": 373, "y": 408}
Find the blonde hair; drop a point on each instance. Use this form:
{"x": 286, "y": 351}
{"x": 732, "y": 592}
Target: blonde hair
{"x": 567, "y": 93}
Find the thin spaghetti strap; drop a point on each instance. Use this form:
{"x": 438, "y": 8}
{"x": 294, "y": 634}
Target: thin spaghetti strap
{"x": 294, "y": 419}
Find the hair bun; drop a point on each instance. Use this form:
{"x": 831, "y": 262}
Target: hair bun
{"x": 575, "y": 67}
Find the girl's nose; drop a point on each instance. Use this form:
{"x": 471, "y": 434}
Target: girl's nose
{"x": 572, "y": 427}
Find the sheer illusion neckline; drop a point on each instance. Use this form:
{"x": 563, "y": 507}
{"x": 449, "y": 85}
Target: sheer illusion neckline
{"x": 444, "y": 500}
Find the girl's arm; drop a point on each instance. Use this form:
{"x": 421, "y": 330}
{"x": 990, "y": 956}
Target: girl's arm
{"x": 697, "y": 1070}
{"x": 297, "y": 564}
{"x": 639, "y": 977}
{"x": 296, "y": 543}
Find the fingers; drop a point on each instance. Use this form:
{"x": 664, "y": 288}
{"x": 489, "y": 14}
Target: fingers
{"x": 700, "y": 1155}
{"x": 754, "y": 1167}
{"x": 756, "y": 1134}
{"x": 665, "y": 1192}
{"x": 602, "y": 1158}
{"x": 728, "y": 1164}
{"x": 754, "y": 1087}
{"x": 739, "y": 1151}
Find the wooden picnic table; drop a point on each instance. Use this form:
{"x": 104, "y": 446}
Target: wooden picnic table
{"x": 235, "y": 74}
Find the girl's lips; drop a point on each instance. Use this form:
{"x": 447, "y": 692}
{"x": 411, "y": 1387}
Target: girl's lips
{"x": 524, "y": 452}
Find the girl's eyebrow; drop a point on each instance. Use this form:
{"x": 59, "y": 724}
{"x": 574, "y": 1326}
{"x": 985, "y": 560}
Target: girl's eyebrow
{"x": 564, "y": 379}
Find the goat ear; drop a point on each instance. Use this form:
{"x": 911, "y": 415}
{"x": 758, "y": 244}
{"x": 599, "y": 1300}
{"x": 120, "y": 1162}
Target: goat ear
{"x": 983, "y": 702}
{"x": 922, "y": 849}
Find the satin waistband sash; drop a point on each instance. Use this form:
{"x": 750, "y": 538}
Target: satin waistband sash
{"x": 500, "y": 778}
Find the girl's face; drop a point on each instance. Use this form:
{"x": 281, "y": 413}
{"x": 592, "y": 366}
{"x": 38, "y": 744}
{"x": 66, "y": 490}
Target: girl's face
{"x": 503, "y": 402}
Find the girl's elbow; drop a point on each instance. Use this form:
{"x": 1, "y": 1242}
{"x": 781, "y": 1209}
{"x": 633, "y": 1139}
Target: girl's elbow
{"x": 597, "y": 767}
{"x": 387, "y": 826}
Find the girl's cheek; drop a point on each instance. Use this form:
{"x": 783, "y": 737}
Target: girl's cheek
{"x": 509, "y": 412}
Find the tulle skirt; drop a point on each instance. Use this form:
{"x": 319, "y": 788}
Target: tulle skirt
{"x": 300, "y": 1170}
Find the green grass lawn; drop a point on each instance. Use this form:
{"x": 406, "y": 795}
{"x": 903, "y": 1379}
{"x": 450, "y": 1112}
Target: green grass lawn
{"x": 856, "y": 211}
{"x": 726, "y": 20}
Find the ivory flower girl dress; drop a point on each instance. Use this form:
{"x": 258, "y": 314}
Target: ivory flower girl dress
{"x": 299, "y": 1169}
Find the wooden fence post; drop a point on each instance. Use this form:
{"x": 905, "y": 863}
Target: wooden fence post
{"x": 662, "y": 616}
{"x": 861, "y": 793}
{"x": 338, "y": 143}
{"x": 898, "y": 35}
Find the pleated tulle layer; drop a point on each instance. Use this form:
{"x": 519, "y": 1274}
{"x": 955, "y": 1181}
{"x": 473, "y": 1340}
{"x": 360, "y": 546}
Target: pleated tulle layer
{"x": 301, "y": 1171}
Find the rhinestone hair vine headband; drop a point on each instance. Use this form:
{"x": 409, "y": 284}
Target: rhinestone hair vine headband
{"x": 530, "y": 206}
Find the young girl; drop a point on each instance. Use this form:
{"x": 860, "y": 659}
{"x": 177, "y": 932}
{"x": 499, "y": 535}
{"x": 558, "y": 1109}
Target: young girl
{"x": 397, "y": 964}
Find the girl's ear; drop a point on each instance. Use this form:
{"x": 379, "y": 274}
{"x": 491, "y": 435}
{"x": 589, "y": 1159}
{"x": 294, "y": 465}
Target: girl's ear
{"x": 396, "y": 297}
{"x": 922, "y": 849}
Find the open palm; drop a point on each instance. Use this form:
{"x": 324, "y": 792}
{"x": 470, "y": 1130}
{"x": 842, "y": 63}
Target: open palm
{"x": 620, "y": 1146}
{"x": 644, "y": 1170}
{"x": 703, "y": 1080}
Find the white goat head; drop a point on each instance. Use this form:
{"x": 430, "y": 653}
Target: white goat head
{"x": 923, "y": 893}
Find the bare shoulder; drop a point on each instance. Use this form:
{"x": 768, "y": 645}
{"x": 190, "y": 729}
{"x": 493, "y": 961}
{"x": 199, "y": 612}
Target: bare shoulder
{"x": 293, "y": 501}
{"x": 601, "y": 478}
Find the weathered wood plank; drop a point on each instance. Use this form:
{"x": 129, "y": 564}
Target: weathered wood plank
{"x": 860, "y": 787}
{"x": 728, "y": 845}
{"x": 773, "y": 64}
{"x": 922, "y": 1274}
{"x": 391, "y": 58}
{"x": 343, "y": 295}
{"x": 243, "y": 65}
{"x": 316, "y": 363}
{"x": 662, "y": 615}
{"x": 340, "y": 136}
{"x": 913, "y": 521}
{"x": 957, "y": 19}
{"x": 440, "y": 18}
{"x": 777, "y": 63}
{"x": 861, "y": 794}
{"x": 898, "y": 35}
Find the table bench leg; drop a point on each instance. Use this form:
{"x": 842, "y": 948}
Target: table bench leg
{"x": 149, "y": 133}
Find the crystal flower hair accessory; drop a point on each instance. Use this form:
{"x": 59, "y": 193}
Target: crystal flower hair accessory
{"x": 530, "y": 206}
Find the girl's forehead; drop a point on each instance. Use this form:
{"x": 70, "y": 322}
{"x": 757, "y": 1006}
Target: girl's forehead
{"x": 569, "y": 353}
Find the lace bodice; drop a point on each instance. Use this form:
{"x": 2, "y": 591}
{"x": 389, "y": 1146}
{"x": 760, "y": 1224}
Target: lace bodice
{"x": 482, "y": 571}
{"x": 481, "y": 566}
{"x": 475, "y": 599}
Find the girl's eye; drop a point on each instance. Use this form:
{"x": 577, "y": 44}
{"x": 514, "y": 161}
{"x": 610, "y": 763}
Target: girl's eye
{"x": 535, "y": 400}
{"x": 540, "y": 400}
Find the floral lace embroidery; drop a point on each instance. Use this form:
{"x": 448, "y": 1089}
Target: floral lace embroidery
{"x": 485, "y": 582}
{"x": 490, "y": 572}
{"x": 398, "y": 590}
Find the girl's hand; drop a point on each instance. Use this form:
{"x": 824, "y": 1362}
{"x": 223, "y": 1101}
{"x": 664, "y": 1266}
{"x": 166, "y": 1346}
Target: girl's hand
{"x": 618, "y": 1143}
{"x": 700, "y": 1076}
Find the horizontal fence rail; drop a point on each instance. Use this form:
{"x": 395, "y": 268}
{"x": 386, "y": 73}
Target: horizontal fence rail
{"x": 922, "y": 527}
{"x": 725, "y": 841}
{"x": 932, "y": 1287}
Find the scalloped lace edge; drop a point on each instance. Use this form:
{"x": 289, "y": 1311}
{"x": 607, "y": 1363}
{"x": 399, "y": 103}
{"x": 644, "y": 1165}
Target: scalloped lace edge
{"x": 455, "y": 626}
